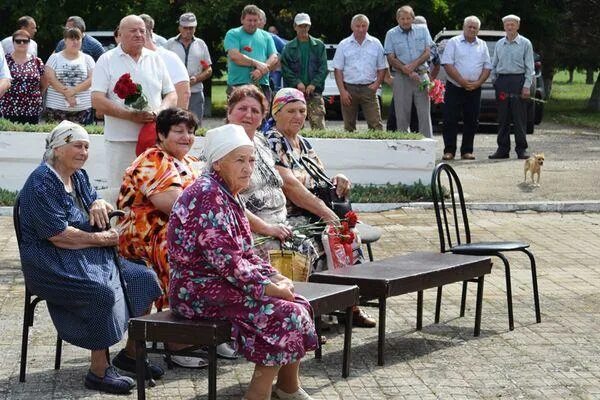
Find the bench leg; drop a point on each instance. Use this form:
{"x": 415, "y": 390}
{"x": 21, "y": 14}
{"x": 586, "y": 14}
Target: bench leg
{"x": 463, "y": 299}
{"x": 347, "y": 343}
{"x": 318, "y": 351}
{"x": 381, "y": 338}
{"x": 511, "y": 324}
{"x": 536, "y": 296}
{"x": 419, "y": 310}
{"x": 438, "y": 304}
{"x": 140, "y": 368}
{"x": 212, "y": 372}
{"x": 478, "y": 306}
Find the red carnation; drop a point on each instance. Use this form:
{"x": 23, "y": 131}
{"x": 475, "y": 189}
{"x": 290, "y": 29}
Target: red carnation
{"x": 501, "y": 96}
{"x": 352, "y": 218}
{"x": 247, "y": 48}
{"x": 125, "y": 87}
{"x": 204, "y": 64}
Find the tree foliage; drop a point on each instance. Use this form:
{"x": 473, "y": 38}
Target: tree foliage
{"x": 562, "y": 31}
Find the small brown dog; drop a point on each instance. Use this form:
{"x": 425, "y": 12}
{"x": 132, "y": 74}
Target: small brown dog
{"x": 534, "y": 165}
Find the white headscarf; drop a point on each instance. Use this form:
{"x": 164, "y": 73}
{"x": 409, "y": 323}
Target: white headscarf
{"x": 222, "y": 141}
{"x": 64, "y": 133}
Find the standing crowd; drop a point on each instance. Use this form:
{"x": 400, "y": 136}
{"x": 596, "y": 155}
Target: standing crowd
{"x": 187, "y": 236}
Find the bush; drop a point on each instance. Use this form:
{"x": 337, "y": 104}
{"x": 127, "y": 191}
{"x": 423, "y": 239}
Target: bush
{"x": 390, "y": 193}
{"x": 6, "y": 125}
{"x": 8, "y": 197}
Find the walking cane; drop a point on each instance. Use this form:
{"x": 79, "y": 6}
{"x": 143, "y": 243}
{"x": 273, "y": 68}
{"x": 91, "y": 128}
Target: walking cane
{"x": 119, "y": 213}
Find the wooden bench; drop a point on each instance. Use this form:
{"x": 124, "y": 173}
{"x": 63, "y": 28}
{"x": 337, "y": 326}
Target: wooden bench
{"x": 409, "y": 273}
{"x": 166, "y": 327}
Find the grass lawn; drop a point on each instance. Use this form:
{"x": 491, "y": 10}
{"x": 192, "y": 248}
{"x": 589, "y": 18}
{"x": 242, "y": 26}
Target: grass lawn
{"x": 567, "y": 103}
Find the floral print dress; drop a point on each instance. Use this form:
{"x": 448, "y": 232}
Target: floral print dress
{"x": 144, "y": 227}
{"x": 24, "y": 98}
{"x": 215, "y": 274}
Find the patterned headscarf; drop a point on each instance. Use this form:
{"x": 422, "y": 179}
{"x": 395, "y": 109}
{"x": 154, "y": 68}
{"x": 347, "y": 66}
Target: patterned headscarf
{"x": 222, "y": 141}
{"x": 285, "y": 96}
{"x": 64, "y": 133}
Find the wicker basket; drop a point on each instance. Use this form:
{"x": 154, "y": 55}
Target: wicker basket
{"x": 291, "y": 264}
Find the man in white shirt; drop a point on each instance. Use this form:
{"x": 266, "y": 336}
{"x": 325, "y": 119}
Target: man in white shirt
{"x": 193, "y": 52}
{"x": 177, "y": 71}
{"x": 466, "y": 60}
{"x": 122, "y": 124}
{"x": 26, "y": 23}
{"x": 360, "y": 66}
{"x": 5, "y": 77}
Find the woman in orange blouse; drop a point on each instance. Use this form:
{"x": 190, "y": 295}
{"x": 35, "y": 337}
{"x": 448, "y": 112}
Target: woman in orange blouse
{"x": 150, "y": 186}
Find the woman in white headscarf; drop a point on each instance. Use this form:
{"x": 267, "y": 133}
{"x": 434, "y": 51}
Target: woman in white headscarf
{"x": 72, "y": 267}
{"x": 216, "y": 274}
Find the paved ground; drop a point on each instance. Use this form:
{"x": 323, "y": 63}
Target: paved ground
{"x": 557, "y": 359}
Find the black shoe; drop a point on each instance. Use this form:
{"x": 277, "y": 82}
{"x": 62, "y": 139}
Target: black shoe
{"x": 498, "y": 156}
{"x": 112, "y": 382}
{"x": 523, "y": 155}
{"x": 124, "y": 362}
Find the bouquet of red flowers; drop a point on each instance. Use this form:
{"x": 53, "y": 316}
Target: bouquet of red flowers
{"x": 435, "y": 89}
{"x": 342, "y": 243}
{"x": 131, "y": 92}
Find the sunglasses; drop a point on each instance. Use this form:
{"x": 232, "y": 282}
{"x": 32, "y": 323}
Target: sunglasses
{"x": 21, "y": 41}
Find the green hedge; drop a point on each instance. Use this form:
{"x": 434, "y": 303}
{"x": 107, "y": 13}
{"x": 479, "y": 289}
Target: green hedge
{"x": 6, "y": 125}
{"x": 390, "y": 193}
{"x": 360, "y": 194}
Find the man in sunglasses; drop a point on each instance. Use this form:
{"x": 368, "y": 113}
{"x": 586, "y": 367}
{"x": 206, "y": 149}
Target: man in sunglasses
{"x": 28, "y": 24}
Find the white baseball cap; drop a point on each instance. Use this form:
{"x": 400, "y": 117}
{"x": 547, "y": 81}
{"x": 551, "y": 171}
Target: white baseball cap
{"x": 188, "y": 19}
{"x": 511, "y": 17}
{"x": 301, "y": 19}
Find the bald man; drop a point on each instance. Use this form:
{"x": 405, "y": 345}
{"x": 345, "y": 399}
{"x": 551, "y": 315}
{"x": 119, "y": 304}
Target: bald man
{"x": 122, "y": 124}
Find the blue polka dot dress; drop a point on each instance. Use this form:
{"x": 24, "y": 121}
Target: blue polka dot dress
{"x": 81, "y": 287}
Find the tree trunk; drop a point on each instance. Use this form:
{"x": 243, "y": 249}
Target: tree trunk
{"x": 589, "y": 76}
{"x": 571, "y": 71}
{"x": 594, "y": 101}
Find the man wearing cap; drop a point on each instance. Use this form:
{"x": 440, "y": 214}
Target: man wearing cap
{"x": 408, "y": 48}
{"x": 194, "y": 54}
{"x": 360, "y": 66}
{"x": 122, "y": 124}
{"x": 89, "y": 45}
{"x": 251, "y": 53}
{"x": 466, "y": 60}
{"x": 512, "y": 73}
{"x": 304, "y": 66}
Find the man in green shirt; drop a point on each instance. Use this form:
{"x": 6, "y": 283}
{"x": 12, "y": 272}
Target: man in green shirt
{"x": 251, "y": 53}
{"x": 304, "y": 67}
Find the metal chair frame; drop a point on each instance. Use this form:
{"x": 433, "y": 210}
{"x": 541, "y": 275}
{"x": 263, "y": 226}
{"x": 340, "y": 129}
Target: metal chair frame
{"x": 31, "y": 301}
{"x": 451, "y": 239}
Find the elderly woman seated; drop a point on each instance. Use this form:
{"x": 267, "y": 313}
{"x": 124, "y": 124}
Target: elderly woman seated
{"x": 216, "y": 274}
{"x": 150, "y": 186}
{"x": 287, "y": 145}
{"x": 264, "y": 197}
{"x": 72, "y": 267}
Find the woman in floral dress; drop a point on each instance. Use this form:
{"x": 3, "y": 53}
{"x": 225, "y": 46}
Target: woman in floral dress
{"x": 215, "y": 273}
{"x": 23, "y": 101}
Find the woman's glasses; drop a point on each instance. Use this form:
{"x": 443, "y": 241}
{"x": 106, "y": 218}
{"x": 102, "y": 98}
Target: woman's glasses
{"x": 21, "y": 41}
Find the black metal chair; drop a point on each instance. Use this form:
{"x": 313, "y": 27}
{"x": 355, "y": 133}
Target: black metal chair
{"x": 31, "y": 301}
{"x": 368, "y": 234}
{"x": 455, "y": 237}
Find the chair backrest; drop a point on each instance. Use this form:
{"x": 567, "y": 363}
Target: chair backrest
{"x": 450, "y": 210}
{"x": 17, "y": 218}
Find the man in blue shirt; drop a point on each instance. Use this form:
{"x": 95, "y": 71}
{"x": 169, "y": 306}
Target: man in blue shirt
{"x": 89, "y": 45}
{"x": 512, "y": 72}
{"x": 467, "y": 63}
{"x": 408, "y": 49}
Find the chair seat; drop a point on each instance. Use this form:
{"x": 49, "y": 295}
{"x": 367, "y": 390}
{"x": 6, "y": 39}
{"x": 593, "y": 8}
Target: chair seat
{"x": 368, "y": 233}
{"x": 483, "y": 248}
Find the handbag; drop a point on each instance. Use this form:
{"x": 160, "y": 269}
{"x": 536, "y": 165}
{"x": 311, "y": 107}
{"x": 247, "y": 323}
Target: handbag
{"x": 324, "y": 189}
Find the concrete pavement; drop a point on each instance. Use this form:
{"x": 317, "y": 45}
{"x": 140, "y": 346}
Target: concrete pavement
{"x": 557, "y": 359}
